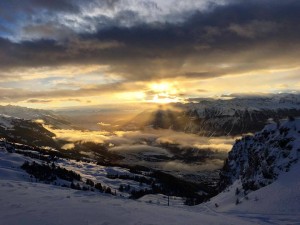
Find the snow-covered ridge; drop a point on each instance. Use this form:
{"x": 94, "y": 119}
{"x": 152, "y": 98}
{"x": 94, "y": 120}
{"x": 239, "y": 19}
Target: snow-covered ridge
{"x": 258, "y": 160}
{"x": 255, "y": 103}
{"x": 239, "y": 115}
{"x": 24, "y": 131}
{"x": 47, "y": 116}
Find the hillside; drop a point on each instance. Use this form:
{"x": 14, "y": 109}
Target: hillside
{"x": 47, "y": 116}
{"x": 25, "y": 131}
{"x": 280, "y": 199}
{"x": 25, "y": 125}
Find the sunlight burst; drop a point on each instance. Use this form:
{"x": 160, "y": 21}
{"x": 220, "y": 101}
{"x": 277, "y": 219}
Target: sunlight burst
{"x": 164, "y": 93}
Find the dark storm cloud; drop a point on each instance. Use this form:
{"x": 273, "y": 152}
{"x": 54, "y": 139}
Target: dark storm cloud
{"x": 12, "y": 9}
{"x": 34, "y": 96}
{"x": 16, "y": 15}
{"x": 59, "y": 5}
{"x": 237, "y": 37}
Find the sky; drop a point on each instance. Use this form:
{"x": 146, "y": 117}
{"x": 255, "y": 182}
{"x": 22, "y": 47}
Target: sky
{"x": 60, "y": 53}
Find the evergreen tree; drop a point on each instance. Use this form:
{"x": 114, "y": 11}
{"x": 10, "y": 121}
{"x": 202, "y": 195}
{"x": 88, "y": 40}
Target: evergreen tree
{"x": 99, "y": 187}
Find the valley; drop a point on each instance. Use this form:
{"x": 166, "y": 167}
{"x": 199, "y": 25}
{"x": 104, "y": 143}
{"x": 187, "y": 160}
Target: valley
{"x": 168, "y": 140}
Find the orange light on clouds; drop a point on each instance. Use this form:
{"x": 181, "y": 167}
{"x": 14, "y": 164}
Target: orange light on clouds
{"x": 164, "y": 93}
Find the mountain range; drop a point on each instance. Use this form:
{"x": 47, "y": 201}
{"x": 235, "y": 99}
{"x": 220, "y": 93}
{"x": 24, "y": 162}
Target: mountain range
{"x": 220, "y": 117}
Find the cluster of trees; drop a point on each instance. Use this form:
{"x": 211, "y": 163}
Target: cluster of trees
{"x": 191, "y": 201}
{"x": 138, "y": 169}
{"x": 163, "y": 183}
{"x": 99, "y": 187}
{"x": 50, "y": 172}
{"x": 140, "y": 193}
{"x": 102, "y": 155}
{"x": 140, "y": 179}
{"x": 178, "y": 187}
{"x": 124, "y": 187}
{"x": 47, "y": 172}
{"x": 32, "y": 151}
{"x": 36, "y": 155}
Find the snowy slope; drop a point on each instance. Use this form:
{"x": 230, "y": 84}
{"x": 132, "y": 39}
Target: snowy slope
{"x": 277, "y": 203}
{"x": 23, "y": 202}
{"x": 36, "y": 204}
{"x": 282, "y": 197}
{"x": 98, "y": 174}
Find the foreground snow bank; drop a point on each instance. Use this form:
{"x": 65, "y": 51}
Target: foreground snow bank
{"x": 281, "y": 198}
{"x": 35, "y": 204}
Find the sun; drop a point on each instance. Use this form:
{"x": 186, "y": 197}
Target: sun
{"x": 158, "y": 93}
{"x": 164, "y": 93}
{"x": 161, "y": 87}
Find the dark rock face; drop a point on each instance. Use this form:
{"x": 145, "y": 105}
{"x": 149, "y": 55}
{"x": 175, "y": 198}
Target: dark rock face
{"x": 258, "y": 160}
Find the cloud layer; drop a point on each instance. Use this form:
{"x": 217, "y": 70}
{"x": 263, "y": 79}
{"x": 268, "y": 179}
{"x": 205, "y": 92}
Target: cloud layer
{"x": 139, "y": 146}
{"x": 130, "y": 43}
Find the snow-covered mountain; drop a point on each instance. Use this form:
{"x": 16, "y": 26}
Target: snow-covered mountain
{"x": 261, "y": 176}
{"x": 24, "y": 125}
{"x": 47, "y": 116}
{"x": 228, "y": 106}
{"x": 219, "y": 117}
{"x": 258, "y": 160}
{"x": 238, "y": 115}
{"x": 25, "y": 131}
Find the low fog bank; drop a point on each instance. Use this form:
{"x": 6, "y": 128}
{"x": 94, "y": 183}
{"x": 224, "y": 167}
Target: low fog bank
{"x": 163, "y": 149}
{"x": 149, "y": 136}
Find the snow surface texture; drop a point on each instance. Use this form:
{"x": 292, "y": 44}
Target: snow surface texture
{"x": 23, "y": 202}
